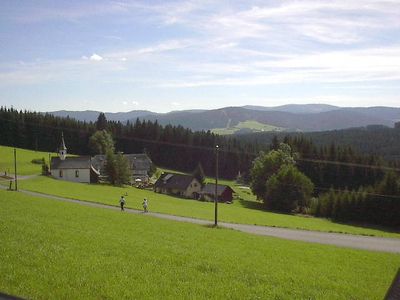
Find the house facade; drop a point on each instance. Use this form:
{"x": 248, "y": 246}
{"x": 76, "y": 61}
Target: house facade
{"x": 76, "y": 169}
{"x": 179, "y": 185}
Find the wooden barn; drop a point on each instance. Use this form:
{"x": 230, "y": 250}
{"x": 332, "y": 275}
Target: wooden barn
{"x": 224, "y": 193}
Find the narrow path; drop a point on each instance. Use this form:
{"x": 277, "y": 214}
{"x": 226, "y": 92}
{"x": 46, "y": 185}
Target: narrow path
{"x": 336, "y": 239}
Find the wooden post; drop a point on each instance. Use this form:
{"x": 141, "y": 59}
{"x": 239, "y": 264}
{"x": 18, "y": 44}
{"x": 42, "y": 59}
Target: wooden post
{"x": 216, "y": 187}
{"x": 15, "y": 169}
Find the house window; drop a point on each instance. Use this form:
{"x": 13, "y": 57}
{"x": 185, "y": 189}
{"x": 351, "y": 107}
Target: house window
{"x": 195, "y": 184}
{"x": 61, "y": 173}
{"x": 76, "y": 173}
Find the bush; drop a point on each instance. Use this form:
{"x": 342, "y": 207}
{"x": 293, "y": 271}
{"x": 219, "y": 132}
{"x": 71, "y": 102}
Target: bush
{"x": 289, "y": 189}
{"x": 38, "y": 161}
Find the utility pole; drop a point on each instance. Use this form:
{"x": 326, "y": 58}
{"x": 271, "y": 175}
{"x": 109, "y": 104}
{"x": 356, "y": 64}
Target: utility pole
{"x": 216, "y": 187}
{"x": 15, "y": 169}
{"x": 49, "y": 169}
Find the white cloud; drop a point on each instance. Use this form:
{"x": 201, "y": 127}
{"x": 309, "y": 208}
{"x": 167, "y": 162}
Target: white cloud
{"x": 125, "y": 102}
{"x": 175, "y": 104}
{"x": 96, "y": 57}
{"x": 135, "y": 103}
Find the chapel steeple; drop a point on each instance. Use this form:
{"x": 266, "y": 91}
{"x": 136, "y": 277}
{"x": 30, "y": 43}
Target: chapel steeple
{"x": 62, "y": 151}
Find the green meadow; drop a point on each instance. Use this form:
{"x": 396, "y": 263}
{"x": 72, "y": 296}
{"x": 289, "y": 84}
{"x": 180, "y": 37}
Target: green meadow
{"x": 245, "y": 209}
{"x": 24, "y": 161}
{"x": 250, "y": 125}
{"x": 57, "y": 250}
{"x": 242, "y": 211}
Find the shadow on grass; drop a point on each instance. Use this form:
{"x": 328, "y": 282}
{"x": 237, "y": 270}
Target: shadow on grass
{"x": 369, "y": 226}
{"x": 251, "y": 204}
{"x": 259, "y": 206}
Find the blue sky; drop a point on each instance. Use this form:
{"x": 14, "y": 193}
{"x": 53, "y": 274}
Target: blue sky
{"x": 174, "y": 55}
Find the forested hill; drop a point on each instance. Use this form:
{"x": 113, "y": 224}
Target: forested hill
{"x": 308, "y": 117}
{"x": 169, "y": 146}
{"x": 378, "y": 140}
{"x": 181, "y": 149}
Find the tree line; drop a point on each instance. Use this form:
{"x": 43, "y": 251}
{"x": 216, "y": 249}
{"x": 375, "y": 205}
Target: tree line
{"x": 377, "y": 204}
{"x": 277, "y": 181}
{"x": 168, "y": 146}
{"x": 181, "y": 149}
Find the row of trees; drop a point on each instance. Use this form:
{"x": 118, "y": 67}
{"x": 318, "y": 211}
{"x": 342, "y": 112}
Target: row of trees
{"x": 281, "y": 186}
{"x": 179, "y": 148}
{"x": 319, "y": 164}
{"x": 170, "y": 146}
{"x": 379, "y": 204}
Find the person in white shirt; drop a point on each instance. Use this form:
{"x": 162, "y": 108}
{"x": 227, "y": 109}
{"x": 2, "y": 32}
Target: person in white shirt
{"x": 145, "y": 205}
{"x": 122, "y": 202}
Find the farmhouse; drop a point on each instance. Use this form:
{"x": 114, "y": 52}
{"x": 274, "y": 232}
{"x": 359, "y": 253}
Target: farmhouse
{"x": 139, "y": 164}
{"x": 77, "y": 169}
{"x": 224, "y": 193}
{"x": 178, "y": 184}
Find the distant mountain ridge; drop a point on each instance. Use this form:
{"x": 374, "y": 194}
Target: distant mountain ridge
{"x": 291, "y": 117}
{"x": 91, "y": 115}
{"x": 296, "y": 108}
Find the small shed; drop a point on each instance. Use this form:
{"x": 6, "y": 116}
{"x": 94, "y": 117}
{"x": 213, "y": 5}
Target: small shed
{"x": 224, "y": 193}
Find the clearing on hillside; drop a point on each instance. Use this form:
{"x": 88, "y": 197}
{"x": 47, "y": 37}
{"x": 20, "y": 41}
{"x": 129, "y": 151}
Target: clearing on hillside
{"x": 247, "y": 127}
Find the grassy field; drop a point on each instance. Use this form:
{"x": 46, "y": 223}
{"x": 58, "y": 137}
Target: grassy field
{"x": 249, "y": 124}
{"x": 56, "y": 250}
{"x": 242, "y": 211}
{"x": 245, "y": 210}
{"x": 24, "y": 158}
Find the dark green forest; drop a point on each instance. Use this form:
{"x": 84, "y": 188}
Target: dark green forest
{"x": 168, "y": 146}
{"x": 181, "y": 149}
{"x": 379, "y": 140}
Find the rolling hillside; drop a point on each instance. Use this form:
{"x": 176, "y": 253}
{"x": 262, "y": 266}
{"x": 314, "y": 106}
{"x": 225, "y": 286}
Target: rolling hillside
{"x": 232, "y": 116}
{"x": 91, "y": 115}
{"x": 292, "y": 117}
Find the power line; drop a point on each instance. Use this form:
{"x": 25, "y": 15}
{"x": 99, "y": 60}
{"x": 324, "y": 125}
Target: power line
{"x": 159, "y": 142}
{"x": 343, "y": 191}
{"x": 211, "y": 149}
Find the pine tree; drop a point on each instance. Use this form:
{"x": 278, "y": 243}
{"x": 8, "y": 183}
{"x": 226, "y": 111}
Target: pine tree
{"x": 101, "y": 123}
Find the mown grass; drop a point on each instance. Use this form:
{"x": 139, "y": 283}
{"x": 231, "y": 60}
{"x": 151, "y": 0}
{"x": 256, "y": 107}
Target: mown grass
{"x": 24, "y": 161}
{"x": 242, "y": 211}
{"x": 56, "y": 250}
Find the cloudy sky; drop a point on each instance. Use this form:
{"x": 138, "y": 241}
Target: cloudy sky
{"x": 162, "y": 56}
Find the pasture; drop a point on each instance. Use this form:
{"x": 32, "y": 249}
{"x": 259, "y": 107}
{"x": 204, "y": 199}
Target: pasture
{"x": 58, "y": 250}
{"x": 242, "y": 211}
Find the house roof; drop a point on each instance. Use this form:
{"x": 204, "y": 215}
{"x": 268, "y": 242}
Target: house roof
{"x": 98, "y": 161}
{"x": 174, "y": 181}
{"x": 209, "y": 188}
{"x": 81, "y": 162}
{"x": 136, "y": 161}
{"x": 139, "y": 161}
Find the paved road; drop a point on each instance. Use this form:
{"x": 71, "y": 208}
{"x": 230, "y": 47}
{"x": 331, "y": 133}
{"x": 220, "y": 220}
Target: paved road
{"x": 336, "y": 239}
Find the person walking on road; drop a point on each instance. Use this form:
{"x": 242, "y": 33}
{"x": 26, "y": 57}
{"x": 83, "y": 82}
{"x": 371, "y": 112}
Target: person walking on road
{"x": 122, "y": 202}
{"x": 145, "y": 205}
